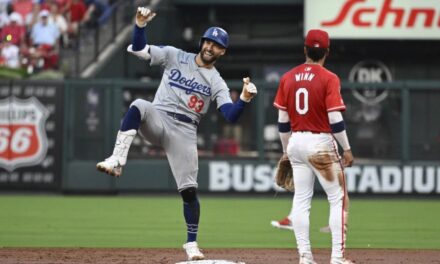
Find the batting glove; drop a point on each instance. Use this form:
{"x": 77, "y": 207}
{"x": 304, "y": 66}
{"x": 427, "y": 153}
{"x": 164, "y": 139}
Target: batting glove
{"x": 249, "y": 90}
{"x": 143, "y": 16}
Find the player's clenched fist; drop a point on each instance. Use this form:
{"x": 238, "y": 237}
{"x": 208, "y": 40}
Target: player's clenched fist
{"x": 347, "y": 159}
{"x": 249, "y": 90}
{"x": 143, "y": 16}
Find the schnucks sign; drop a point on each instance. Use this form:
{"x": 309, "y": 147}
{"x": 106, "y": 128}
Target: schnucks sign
{"x": 374, "y": 19}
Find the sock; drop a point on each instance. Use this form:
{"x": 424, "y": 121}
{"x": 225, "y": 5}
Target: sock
{"x": 132, "y": 119}
{"x": 191, "y": 211}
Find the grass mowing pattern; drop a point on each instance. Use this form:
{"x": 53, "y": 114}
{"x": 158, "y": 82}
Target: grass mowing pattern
{"x": 157, "y": 222}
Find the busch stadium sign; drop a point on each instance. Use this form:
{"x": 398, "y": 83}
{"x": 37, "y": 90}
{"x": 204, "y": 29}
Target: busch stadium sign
{"x": 393, "y": 179}
{"x": 377, "y": 179}
{"x": 375, "y": 19}
{"x": 23, "y": 139}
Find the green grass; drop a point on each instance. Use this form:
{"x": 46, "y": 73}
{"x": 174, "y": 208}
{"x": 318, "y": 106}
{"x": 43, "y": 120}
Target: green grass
{"x": 157, "y": 222}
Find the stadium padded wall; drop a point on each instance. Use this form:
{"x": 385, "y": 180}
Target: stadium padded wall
{"x": 78, "y": 121}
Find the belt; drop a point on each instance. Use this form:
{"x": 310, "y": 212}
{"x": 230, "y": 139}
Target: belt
{"x": 183, "y": 118}
{"x": 311, "y": 132}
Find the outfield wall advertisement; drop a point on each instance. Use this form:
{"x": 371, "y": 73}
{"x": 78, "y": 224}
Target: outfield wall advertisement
{"x": 30, "y": 135}
{"x": 374, "y": 19}
{"x": 376, "y": 179}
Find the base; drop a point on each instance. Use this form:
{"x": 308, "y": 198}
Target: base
{"x": 210, "y": 262}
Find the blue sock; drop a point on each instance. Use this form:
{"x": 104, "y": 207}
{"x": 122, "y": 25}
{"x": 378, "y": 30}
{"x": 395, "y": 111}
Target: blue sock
{"x": 132, "y": 119}
{"x": 191, "y": 211}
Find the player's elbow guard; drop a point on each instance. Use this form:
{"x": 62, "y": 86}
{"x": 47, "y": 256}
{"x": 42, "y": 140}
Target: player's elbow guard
{"x": 143, "y": 54}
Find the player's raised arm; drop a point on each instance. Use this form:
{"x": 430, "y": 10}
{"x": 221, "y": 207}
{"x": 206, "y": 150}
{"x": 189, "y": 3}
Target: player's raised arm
{"x": 139, "y": 45}
{"x": 232, "y": 112}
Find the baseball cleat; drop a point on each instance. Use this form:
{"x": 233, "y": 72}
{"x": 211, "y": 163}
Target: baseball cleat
{"x": 192, "y": 251}
{"x": 110, "y": 166}
{"x": 113, "y": 164}
{"x": 283, "y": 224}
{"x": 306, "y": 259}
{"x": 341, "y": 261}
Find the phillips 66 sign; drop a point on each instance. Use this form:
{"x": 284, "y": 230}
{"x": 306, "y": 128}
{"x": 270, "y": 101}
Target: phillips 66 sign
{"x": 375, "y": 19}
{"x": 31, "y": 132}
{"x": 23, "y": 139}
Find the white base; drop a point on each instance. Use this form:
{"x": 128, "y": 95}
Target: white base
{"x": 210, "y": 262}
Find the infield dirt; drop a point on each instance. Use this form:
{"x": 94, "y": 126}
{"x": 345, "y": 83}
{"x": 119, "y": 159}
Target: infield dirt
{"x": 171, "y": 256}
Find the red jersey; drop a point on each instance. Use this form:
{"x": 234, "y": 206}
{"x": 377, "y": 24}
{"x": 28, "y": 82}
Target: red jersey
{"x": 17, "y": 33}
{"x": 307, "y": 93}
{"x": 77, "y": 11}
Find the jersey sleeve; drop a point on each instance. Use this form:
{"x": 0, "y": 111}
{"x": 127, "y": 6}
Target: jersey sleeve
{"x": 220, "y": 91}
{"x": 280, "y": 98}
{"x": 333, "y": 100}
{"x": 162, "y": 55}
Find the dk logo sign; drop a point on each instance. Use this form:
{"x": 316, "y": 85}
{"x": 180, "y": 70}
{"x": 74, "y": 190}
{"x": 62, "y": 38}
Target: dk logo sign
{"x": 23, "y": 139}
{"x": 370, "y": 71}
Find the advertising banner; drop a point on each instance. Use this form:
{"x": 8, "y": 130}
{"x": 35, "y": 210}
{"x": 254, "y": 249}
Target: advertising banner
{"x": 30, "y": 135}
{"x": 225, "y": 176}
{"x": 374, "y": 19}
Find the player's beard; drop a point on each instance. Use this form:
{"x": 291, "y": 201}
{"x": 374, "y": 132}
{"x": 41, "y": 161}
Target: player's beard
{"x": 206, "y": 59}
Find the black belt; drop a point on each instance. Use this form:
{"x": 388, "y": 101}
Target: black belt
{"x": 183, "y": 118}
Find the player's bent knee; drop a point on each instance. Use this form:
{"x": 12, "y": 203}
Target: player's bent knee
{"x": 189, "y": 195}
{"x": 142, "y": 105}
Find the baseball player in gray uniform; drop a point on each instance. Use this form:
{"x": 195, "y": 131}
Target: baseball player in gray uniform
{"x": 189, "y": 84}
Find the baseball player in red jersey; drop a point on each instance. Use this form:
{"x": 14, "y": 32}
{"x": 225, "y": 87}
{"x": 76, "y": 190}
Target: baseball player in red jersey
{"x": 309, "y": 120}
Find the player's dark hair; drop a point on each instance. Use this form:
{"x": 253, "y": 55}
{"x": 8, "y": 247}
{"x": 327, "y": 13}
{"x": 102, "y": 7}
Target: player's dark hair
{"x": 315, "y": 54}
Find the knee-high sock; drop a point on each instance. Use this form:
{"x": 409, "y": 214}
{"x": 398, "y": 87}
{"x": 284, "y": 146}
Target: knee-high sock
{"x": 132, "y": 119}
{"x": 191, "y": 211}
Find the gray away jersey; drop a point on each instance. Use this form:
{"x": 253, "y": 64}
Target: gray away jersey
{"x": 185, "y": 87}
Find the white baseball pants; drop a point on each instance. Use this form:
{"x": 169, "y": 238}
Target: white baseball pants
{"x": 313, "y": 155}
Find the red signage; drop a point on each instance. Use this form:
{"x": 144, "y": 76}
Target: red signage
{"x": 23, "y": 139}
{"x": 376, "y": 19}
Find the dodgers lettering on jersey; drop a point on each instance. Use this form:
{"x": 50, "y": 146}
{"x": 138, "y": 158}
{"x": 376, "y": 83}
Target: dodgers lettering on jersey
{"x": 190, "y": 86}
{"x": 308, "y": 92}
{"x": 185, "y": 87}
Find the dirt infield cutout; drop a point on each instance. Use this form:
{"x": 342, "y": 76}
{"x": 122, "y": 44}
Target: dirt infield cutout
{"x": 172, "y": 256}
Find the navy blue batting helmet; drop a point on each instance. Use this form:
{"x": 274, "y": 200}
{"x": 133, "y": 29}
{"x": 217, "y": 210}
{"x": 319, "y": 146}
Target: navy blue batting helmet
{"x": 216, "y": 34}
